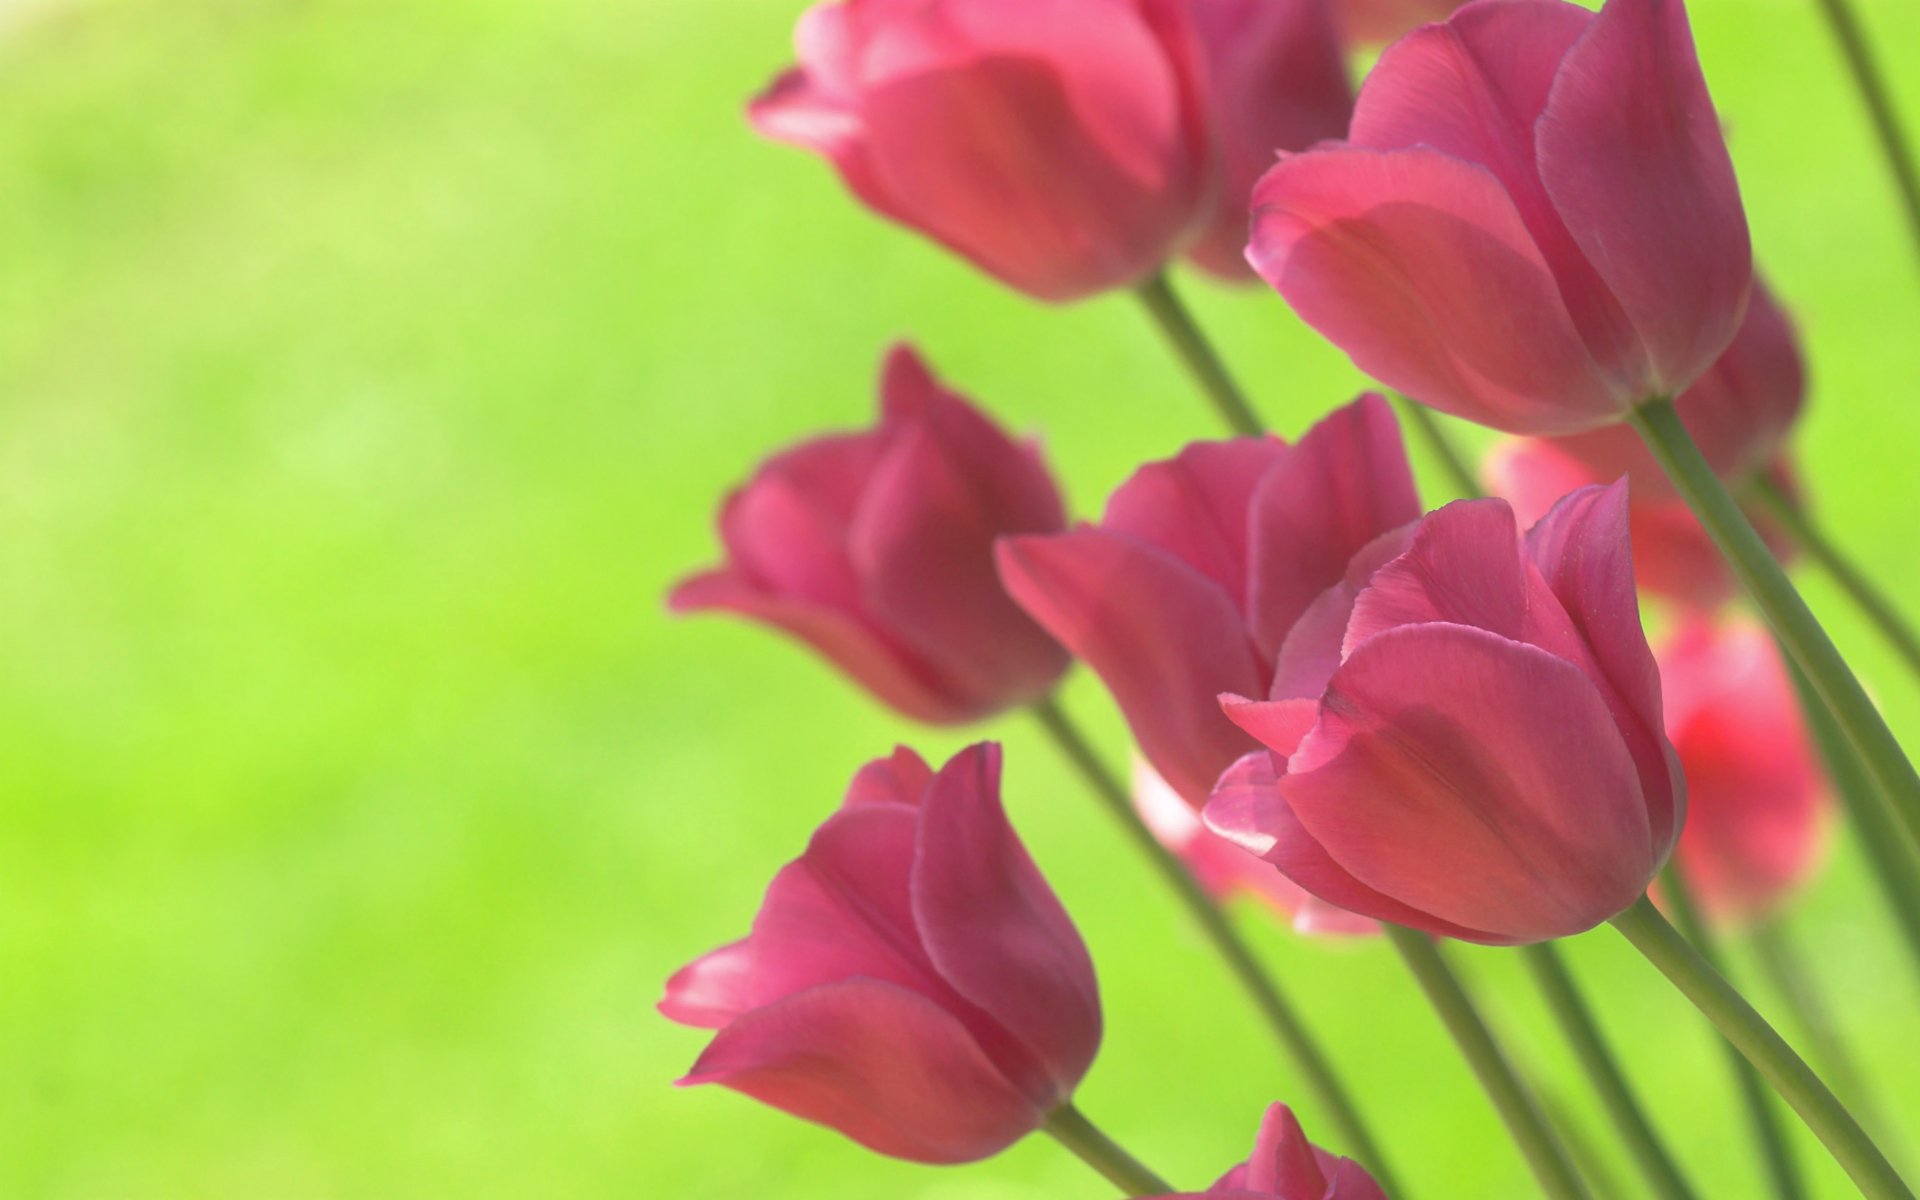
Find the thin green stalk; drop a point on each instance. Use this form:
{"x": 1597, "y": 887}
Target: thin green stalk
{"x": 1783, "y": 1172}
{"x": 1529, "y": 1129}
{"x": 1576, "y": 1022}
{"x": 1871, "y": 83}
{"x": 1872, "y": 602}
{"x": 1792, "y": 980}
{"x": 1796, "y": 1083}
{"x": 1336, "y": 1104}
{"x": 1198, "y": 355}
{"x": 1440, "y": 444}
{"x": 1601, "y": 1178}
{"x": 1889, "y": 854}
{"x": 1071, "y": 1129}
{"x": 1799, "y": 631}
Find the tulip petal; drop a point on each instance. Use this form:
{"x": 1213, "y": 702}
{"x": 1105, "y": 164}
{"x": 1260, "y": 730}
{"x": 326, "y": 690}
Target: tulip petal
{"x": 1631, "y": 151}
{"x": 1164, "y": 639}
{"x": 1194, "y": 505}
{"x": 994, "y": 929}
{"x": 884, "y": 1066}
{"x": 1464, "y": 568}
{"x": 1284, "y": 1162}
{"x": 1476, "y": 779}
{"x": 1315, "y": 644}
{"x": 1340, "y": 487}
{"x": 900, "y": 778}
{"x": 1418, "y": 265}
{"x": 712, "y": 989}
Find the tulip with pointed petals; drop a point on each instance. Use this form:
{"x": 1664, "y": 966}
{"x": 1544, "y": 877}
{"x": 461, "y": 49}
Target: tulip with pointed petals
{"x": 910, "y": 980}
{"x": 1194, "y": 577}
{"x": 1286, "y": 1166}
{"x": 876, "y": 549}
{"x": 1464, "y": 735}
{"x": 1533, "y": 222}
{"x": 1757, "y": 805}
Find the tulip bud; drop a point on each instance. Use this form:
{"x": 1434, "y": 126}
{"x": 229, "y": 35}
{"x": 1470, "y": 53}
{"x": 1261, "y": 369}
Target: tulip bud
{"x": 1286, "y": 1166}
{"x": 876, "y": 549}
{"x": 910, "y": 980}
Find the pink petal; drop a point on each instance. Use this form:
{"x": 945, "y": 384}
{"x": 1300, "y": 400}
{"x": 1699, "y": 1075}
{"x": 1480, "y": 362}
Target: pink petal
{"x": 900, "y": 778}
{"x": 1463, "y": 567}
{"x": 1195, "y": 505}
{"x": 1314, "y": 646}
{"x": 1342, "y": 486}
{"x": 1477, "y": 780}
{"x": 1419, "y": 267}
{"x": 995, "y": 930}
{"x": 1284, "y": 1162}
{"x": 884, "y": 1066}
{"x": 1164, "y": 639}
{"x": 1277, "y": 724}
{"x": 1630, "y": 149}
{"x": 712, "y": 989}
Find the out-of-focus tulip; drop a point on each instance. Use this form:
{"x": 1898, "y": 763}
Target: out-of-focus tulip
{"x": 1061, "y": 145}
{"x": 1464, "y": 736}
{"x": 1224, "y": 869}
{"x": 910, "y": 980}
{"x": 1277, "y": 81}
{"x": 1757, "y": 803}
{"x": 1376, "y": 22}
{"x": 1199, "y": 568}
{"x": 1739, "y": 414}
{"x": 1287, "y": 1166}
{"x": 1533, "y": 222}
{"x": 876, "y": 549}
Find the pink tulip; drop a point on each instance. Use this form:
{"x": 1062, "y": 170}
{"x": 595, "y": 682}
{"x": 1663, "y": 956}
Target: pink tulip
{"x": 1277, "y": 81}
{"x": 910, "y": 980}
{"x": 1739, "y": 413}
{"x": 1194, "y": 577}
{"x": 1464, "y": 736}
{"x": 876, "y": 549}
{"x": 1757, "y": 804}
{"x": 1287, "y": 1166}
{"x": 1533, "y": 222}
{"x": 1376, "y": 22}
{"x": 1060, "y": 145}
{"x": 1224, "y": 869}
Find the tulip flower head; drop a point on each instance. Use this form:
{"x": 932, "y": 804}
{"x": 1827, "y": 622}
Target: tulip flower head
{"x": 1194, "y": 576}
{"x": 1464, "y": 736}
{"x": 1758, "y": 805}
{"x": 1286, "y": 1166}
{"x": 876, "y": 549}
{"x": 1533, "y": 222}
{"x": 910, "y": 980}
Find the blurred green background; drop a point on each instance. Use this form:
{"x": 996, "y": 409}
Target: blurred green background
{"x": 368, "y": 369}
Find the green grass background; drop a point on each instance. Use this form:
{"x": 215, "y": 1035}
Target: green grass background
{"x": 368, "y": 369}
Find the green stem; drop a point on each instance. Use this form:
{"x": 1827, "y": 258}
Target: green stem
{"x": 1071, "y": 1129}
{"x": 1876, "y": 827}
{"x": 1440, "y": 444}
{"x": 1874, "y": 93}
{"x": 1873, "y": 603}
{"x": 1576, "y": 1022}
{"x": 1782, "y": 1170}
{"x": 1529, "y": 1129}
{"x": 1198, "y": 355}
{"x": 1799, "y": 631}
{"x": 1787, "y": 973}
{"x": 1850, "y": 1146}
{"x": 1336, "y": 1104}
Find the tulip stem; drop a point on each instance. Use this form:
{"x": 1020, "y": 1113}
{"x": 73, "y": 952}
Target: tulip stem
{"x": 1783, "y": 1172}
{"x": 1749, "y": 1032}
{"x": 1197, "y": 354}
{"x": 1798, "y": 629}
{"x": 1530, "y": 1131}
{"x": 1787, "y": 972}
{"x": 1872, "y": 602}
{"x": 1071, "y": 1129}
{"x": 1576, "y": 1021}
{"x": 1440, "y": 444}
{"x": 1336, "y": 1104}
{"x": 1872, "y": 86}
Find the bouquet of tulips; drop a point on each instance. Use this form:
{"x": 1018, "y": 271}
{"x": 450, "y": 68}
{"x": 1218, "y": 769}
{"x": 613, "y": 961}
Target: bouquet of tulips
{"x": 1381, "y": 720}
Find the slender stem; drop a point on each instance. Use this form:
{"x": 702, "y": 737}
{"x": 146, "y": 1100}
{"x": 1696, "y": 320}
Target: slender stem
{"x": 1335, "y": 1102}
{"x": 1070, "y": 1127}
{"x": 1876, "y": 828}
{"x": 1616, "y": 1095}
{"x": 1874, "y": 93}
{"x": 1872, "y": 602}
{"x": 1198, "y": 355}
{"x": 1440, "y": 444}
{"x": 1601, "y": 1178}
{"x": 1748, "y": 1030}
{"x": 1787, "y": 972}
{"x": 1799, "y": 631}
{"x": 1783, "y": 1172}
{"x": 1529, "y": 1129}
